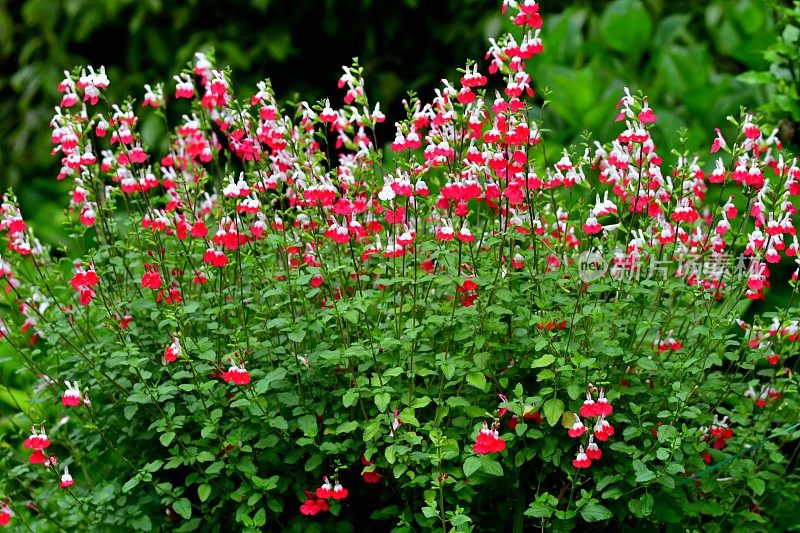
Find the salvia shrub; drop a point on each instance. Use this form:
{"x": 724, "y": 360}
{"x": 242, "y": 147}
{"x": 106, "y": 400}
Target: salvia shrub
{"x": 271, "y": 320}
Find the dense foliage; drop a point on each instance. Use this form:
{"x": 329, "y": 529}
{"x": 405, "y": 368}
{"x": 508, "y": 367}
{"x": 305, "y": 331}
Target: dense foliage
{"x": 268, "y": 318}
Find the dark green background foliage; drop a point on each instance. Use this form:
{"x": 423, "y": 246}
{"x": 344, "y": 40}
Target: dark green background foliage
{"x": 685, "y": 55}
{"x": 782, "y": 77}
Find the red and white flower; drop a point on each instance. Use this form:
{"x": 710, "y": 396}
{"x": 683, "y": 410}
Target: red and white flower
{"x": 236, "y": 374}
{"x": 313, "y": 505}
{"x": 5, "y": 514}
{"x": 173, "y": 351}
{"x": 488, "y": 440}
{"x": 581, "y": 459}
{"x": 577, "y": 428}
{"x": 603, "y": 429}
{"x": 66, "y": 479}
{"x": 72, "y": 396}
{"x": 37, "y": 442}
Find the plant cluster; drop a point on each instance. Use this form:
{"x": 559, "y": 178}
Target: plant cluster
{"x": 277, "y": 322}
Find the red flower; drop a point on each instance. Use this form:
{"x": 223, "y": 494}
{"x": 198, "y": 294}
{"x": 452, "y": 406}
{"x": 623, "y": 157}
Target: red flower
{"x": 512, "y": 422}
{"x": 488, "y": 440}
{"x": 602, "y": 407}
{"x": 312, "y": 505}
{"x": 237, "y": 375}
{"x": 581, "y": 459}
{"x": 502, "y": 411}
{"x": 593, "y": 451}
{"x": 589, "y": 408}
{"x": 66, "y": 479}
{"x": 124, "y": 321}
{"x": 371, "y": 476}
{"x": 603, "y": 430}
{"x": 721, "y": 435}
{"x": 339, "y": 492}
{"x": 199, "y": 230}
{"x": 5, "y": 514}
{"x": 530, "y": 414}
{"x": 151, "y": 278}
{"x": 37, "y": 442}
{"x": 646, "y": 116}
{"x": 326, "y": 490}
{"x": 577, "y": 428}
{"x": 37, "y": 457}
{"x": 173, "y": 351}
{"x": 72, "y": 396}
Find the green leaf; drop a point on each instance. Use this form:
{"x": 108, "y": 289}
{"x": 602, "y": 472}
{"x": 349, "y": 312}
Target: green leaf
{"x": 215, "y": 468}
{"x": 142, "y": 523}
{"x": 490, "y": 466}
{"x": 296, "y": 336}
{"x": 204, "y": 457}
{"x": 390, "y": 455}
{"x": 154, "y": 466}
{"x": 460, "y": 520}
{"x": 347, "y": 427}
{"x": 471, "y": 465}
{"x": 643, "y": 474}
{"x": 552, "y": 410}
{"x": 674, "y": 468}
{"x": 429, "y": 512}
{"x": 382, "y": 400}
{"x": 545, "y": 360}
{"x": 131, "y": 483}
{"x": 313, "y": 462}
{"x": 260, "y": 518}
{"x": 407, "y": 417}
{"x": 203, "y": 492}
{"x": 594, "y": 512}
{"x": 457, "y": 401}
{"x": 477, "y": 380}
{"x": 755, "y": 78}
{"x": 265, "y": 484}
{"x": 166, "y": 438}
{"x": 308, "y": 425}
{"x": 626, "y": 26}
{"x": 574, "y": 391}
{"x": 350, "y": 398}
{"x": 606, "y": 481}
{"x": 263, "y": 385}
{"x": 419, "y": 403}
{"x": 183, "y": 508}
{"x": 642, "y": 506}
{"x": 539, "y": 510}
{"x": 371, "y": 430}
{"x": 757, "y": 484}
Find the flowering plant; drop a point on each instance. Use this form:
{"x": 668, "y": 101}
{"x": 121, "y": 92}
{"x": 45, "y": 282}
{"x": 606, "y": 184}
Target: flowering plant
{"x": 448, "y": 332}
